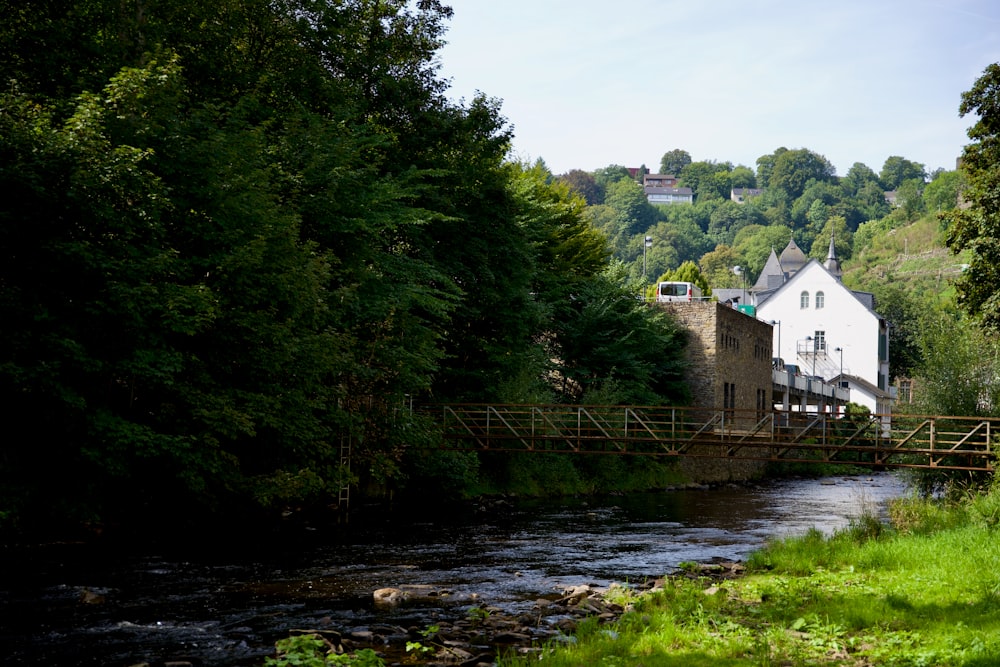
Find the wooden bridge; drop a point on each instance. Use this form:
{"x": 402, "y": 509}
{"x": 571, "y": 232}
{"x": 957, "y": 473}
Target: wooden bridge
{"x": 884, "y": 441}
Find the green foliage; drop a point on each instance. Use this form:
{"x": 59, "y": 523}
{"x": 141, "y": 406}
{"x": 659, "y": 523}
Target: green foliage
{"x": 313, "y": 650}
{"x": 755, "y": 243}
{"x": 942, "y": 193}
{"x": 690, "y": 273}
{"x": 603, "y": 334}
{"x": 958, "y": 370}
{"x": 794, "y": 169}
{"x": 976, "y": 228}
{"x": 242, "y": 239}
{"x": 441, "y": 474}
{"x": 674, "y": 161}
{"x": 898, "y": 170}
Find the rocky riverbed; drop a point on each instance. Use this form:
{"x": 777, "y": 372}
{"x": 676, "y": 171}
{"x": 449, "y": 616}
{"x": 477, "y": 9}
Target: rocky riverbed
{"x": 485, "y": 632}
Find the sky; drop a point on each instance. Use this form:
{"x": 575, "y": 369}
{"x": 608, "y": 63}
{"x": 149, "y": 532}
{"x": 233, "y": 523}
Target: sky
{"x": 592, "y": 83}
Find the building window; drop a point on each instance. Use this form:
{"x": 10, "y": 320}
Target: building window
{"x": 905, "y": 392}
{"x": 819, "y": 341}
{"x": 804, "y": 300}
{"x": 820, "y": 299}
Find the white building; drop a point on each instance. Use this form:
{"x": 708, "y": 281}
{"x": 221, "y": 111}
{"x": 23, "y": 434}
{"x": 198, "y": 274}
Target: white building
{"x": 825, "y": 329}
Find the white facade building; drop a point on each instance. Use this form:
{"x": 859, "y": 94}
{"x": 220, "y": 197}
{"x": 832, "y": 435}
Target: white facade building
{"x": 827, "y": 330}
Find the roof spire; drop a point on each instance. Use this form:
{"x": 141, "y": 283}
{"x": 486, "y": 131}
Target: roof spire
{"x": 832, "y": 264}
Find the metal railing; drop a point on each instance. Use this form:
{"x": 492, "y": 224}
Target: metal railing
{"x": 947, "y": 443}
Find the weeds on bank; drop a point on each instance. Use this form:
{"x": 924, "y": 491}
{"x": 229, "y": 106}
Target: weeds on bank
{"x": 922, "y": 591}
{"x": 314, "y": 650}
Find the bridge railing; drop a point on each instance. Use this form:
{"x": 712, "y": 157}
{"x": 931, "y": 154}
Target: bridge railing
{"x": 879, "y": 440}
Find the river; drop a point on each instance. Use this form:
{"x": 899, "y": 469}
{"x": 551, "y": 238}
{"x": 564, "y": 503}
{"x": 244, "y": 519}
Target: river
{"x": 75, "y": 604}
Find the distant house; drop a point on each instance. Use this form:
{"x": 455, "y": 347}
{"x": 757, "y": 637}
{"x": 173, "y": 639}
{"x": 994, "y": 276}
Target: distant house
{"x": 891, "y": 198}
{"x": 659, "y": 181}
{"x": 740, "y": 195}
{"x": 657, "y": 195}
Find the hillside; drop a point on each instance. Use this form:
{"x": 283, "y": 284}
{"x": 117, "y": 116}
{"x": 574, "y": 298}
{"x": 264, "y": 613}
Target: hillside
{"x": 914, "y": 258}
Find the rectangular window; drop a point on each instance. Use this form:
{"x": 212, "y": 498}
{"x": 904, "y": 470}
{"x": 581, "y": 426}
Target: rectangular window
{"x": 905, "y": 394}
{"x": 819, "y": 340}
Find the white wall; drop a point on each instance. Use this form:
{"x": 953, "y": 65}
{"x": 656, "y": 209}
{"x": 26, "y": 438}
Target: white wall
{"x": 847, "y": 322}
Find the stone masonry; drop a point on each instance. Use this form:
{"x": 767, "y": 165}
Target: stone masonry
{"x": 729, "y": 369}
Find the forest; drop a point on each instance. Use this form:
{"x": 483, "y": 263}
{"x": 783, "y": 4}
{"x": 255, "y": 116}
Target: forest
{"x": 238, "y": 235}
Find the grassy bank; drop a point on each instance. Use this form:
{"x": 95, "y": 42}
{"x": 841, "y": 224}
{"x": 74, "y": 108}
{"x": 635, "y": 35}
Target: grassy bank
{"x": 922, "y": 591}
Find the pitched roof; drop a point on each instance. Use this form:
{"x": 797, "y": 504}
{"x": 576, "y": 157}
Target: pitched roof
{"x": 771, "y": 276}
{"x": 866, "y": 299}
{"x": 792, "y": 258}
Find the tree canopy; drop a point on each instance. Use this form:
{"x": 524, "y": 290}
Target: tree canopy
{"x": 246, "y": 233}
{"x": 976, "y": 228}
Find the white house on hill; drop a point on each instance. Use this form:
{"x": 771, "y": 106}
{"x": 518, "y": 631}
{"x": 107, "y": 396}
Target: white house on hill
{"x": 825, "y": 329}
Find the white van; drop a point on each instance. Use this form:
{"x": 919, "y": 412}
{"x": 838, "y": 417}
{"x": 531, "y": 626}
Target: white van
{"x": 677, "y": 291}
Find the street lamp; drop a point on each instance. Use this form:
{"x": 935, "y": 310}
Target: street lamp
{"x": 742, "y": 273}
{"x": 841, "y": 350}
{"x": 648, "y": 244}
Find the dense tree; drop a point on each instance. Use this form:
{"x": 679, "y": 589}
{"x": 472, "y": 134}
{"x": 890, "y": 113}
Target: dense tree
{"x": 794, "y": 169}
{"x": 871, "y": 201}
{"x": 754, "y": 244}
{"x": 765, "y": 167}
{"x": 613, "y": 173}
{"x": 584, "y": 183}
{"x": 957, "y": 371}
{"x": 673, "y": 162}
{"x": 857, "y": 177}
{"x": 704, "y": 180}
{"x": 717, "y": 267}
{"x": 244, "y": 232}
{"x": 941, "y": 194}
{"x": 633, "y": 211}
{"x": 726, "y": 220}
{"x": 683, "y": 233}
{"x": 898, "y": 170}
{"x": 843, "y": 238}
{"x": 976, "y": 228}
{"x": 606, "y": 336}
{"x": 910, "y": 199}
{"x": 742, "y": 177}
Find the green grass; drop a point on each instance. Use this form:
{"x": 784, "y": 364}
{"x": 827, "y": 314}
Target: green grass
{"x": 922, "y": 592}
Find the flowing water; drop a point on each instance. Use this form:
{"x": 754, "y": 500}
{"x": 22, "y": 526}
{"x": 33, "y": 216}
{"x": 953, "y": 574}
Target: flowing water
{"x": 95, "y": 605}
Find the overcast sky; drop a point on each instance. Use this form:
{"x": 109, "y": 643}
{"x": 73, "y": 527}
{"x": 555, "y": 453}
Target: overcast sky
{"x": 589, "y": 83}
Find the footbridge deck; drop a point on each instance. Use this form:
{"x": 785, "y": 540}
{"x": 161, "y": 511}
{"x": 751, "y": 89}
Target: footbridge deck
{"x": 897, "y": 441}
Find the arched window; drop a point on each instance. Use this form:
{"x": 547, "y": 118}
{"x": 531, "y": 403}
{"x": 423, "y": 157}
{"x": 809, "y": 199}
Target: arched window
{"x": 804, "y": 300}
{"x": 820, "y": 299}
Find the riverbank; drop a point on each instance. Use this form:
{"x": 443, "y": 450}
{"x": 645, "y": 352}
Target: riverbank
{"x": 920, "y": 589}
{"x": 923, "y": 589}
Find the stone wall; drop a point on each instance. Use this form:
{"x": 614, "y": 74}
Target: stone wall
{"x": 729, "y": 366}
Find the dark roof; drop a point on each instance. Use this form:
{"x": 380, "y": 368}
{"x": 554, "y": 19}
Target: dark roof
{"x": 792, "y": 258}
